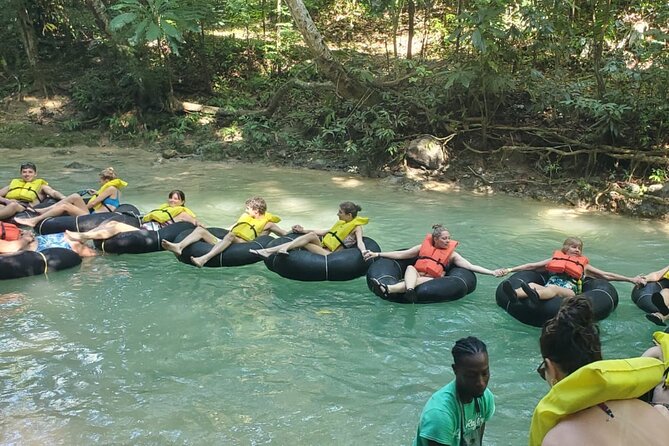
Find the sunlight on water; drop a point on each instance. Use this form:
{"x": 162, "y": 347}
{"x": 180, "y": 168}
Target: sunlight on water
{"x": 145, "y": 350}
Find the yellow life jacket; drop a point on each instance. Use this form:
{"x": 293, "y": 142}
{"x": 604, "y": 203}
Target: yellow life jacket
{"x": 336, "y": 235}
{"x": 248, "y": 228}
{"x": 116, "y": 182}
{"x": 27, "y": 191}
{"x": 166, "y": 213}
{"x": 598, "y": 382}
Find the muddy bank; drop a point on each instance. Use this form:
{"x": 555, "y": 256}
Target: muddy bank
{"x": 38, "y": 122}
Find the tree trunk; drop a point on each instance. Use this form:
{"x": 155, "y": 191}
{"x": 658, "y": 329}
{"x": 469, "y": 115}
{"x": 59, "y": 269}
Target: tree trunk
{"x": 346, "y": 85}
{"x": 30, "y": 42}
{"x": 277, "y": 62}
{"x": 411, "y": 9}
{"x": 99, "y": 10}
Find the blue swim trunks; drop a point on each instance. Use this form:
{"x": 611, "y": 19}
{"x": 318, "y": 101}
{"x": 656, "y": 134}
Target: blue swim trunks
{"x": 52, "y": 241}
{"x": 563, "y": 282}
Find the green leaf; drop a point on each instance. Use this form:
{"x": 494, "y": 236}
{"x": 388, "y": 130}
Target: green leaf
{"x": 153, "y": 32}
{"x": 478, "y": 41}
{"x": 140, "y": 30}
{"x": 172, "y": 32}
{"x": 122, "y": 20}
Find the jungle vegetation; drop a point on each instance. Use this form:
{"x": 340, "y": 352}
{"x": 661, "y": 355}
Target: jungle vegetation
{"x": 575, "y": 84}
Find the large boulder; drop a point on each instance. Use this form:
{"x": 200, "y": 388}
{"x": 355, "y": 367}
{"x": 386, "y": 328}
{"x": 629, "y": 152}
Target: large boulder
{"x": 426, "y": 151}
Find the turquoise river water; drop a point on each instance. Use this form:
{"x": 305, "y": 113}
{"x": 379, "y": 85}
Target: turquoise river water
{"x": 142, "y": 349}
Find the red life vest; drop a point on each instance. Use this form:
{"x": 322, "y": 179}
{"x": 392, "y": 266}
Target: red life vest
{"x": 9, "y": 232}
{"x": 433, "y": 261}
{"x": 573, "y": 266}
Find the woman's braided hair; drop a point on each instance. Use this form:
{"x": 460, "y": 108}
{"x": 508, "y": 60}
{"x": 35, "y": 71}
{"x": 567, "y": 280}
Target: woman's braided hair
{"x": 571, "y": 338}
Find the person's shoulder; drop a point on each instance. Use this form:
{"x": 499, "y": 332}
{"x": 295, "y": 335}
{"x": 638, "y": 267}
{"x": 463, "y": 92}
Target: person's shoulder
{"x": 444, "y": 396}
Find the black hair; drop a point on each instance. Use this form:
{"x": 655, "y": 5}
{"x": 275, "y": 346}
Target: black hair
{"x": 29, "y": 165}
{"x": 571, "y": 338}
{"x": 469, "y": 346}
{"x": 180, "y": 193}
{"x": 350, "y": 208}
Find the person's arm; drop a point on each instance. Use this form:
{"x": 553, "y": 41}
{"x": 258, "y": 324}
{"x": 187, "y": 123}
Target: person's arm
{"x": 276, "y": 229}
{"x": 358, "y": 239}
{"x": 528, "y": 266}
{"x": 100, "y": 198}
{"x": 460, "y": 261}
{"x": 298, "y": 229}
{"x": 397, "y": 255}
{"x": 600, "y": 274}
{"x": 657, "y": 275}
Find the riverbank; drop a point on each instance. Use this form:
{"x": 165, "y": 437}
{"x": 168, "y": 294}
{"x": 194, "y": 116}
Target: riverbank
{"x": 36, "y": 122}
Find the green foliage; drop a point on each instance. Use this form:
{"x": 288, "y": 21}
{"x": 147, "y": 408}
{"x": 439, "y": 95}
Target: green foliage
{"x": 609, "y": 118}
{"x": 112, "y": 87}
{"x": 659, "y": 175}
{"x": 157, "y": 20}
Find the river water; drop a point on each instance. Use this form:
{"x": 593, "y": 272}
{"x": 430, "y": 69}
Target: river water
{"x": 141, "y": 349}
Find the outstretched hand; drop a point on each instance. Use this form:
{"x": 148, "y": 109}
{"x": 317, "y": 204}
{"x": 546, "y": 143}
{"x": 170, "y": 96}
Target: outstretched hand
{"x": 500, "y": 272}
{"x": 640, "y": 280}
{"x": 367, "y": 254}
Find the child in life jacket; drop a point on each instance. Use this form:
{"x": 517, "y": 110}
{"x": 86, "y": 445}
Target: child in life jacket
{"x": 568, "y": 267}
{"x": 254, "y": 222}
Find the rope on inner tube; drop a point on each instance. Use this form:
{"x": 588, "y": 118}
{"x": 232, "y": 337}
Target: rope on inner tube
{"x": 46, "y": 264}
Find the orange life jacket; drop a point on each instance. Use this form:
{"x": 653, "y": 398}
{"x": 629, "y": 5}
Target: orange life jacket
{"x": 573, "y": 266}
{"x": 433, "y": 261}
{"x": 9, "y": 232}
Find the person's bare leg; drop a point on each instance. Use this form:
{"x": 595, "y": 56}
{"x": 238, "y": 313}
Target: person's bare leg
{"x": 218, "y": 248}
{"x": 74, "y": 199}
{"x": 300, "y": 242}
{"x": 54, "y": 211}
{"x": 10, "y": 210}
{"x": 199, "y": 233}
{"x": 103, "y": 231}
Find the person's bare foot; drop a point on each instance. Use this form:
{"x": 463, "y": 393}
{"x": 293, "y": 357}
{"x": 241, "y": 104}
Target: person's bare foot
{"x": 197, "y": 261}
{"x": 171, "y": 247}
{"x": 76, "y": 236}
{"x": 260, "y": 252}
{"x": 25, "y": 222}
{"x": 283, "y": 252}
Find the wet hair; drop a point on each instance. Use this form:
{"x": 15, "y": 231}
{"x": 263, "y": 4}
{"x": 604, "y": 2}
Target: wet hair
{"x": 570, "y": 241}
{"x": 179, "y": 193}
{"x": 437, "y": 230}
{"x": 29, "y": 165}
{"x": 108, "y": 174}
{"x": 257, "y": 204}
{"x": 571, "y": 338}
{"x": 469, "y": 346}
{"x": 350, "y": 208}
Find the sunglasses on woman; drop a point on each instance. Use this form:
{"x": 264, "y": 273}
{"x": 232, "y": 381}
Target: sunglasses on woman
{"x": 541, "y": 370}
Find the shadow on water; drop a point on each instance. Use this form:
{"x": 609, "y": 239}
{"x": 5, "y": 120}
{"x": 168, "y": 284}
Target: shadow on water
{"x": 143, "y": 349}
